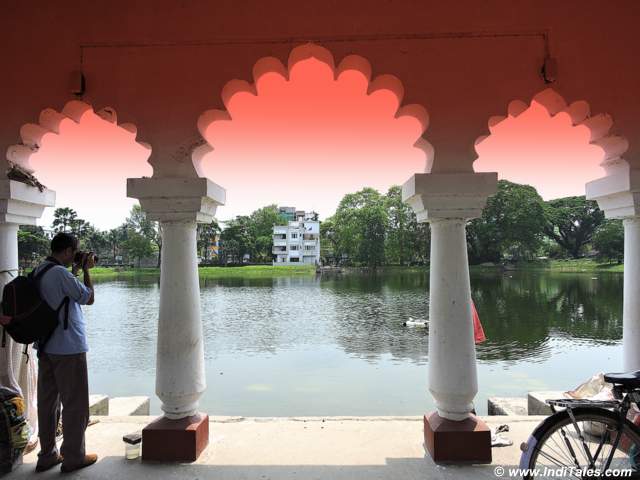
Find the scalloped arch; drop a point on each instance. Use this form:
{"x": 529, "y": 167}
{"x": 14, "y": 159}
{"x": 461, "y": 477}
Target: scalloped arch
{"x": 579, "y": 113}
{"x": 277, "y": 70}
{"x": 49, "y": 122}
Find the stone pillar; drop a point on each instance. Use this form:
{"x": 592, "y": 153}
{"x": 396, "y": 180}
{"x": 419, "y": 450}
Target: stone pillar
{"x": 453, "y": 384}
{"x": 178, "y": 204}
{"x": 8, "y": 252}
{"x": 20, "y": 204}
{"x": 447, "y": 201}
{"x": 180, "y": 380}
{"x": 631, "y": 309}
{"x": 618, "y": 195}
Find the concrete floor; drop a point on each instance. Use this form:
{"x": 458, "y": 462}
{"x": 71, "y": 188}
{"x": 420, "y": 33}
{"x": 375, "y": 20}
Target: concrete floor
{"x": 292, "y": 448}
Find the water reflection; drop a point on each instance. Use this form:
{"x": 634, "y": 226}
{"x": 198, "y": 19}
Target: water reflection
{"x": 336, "y": 344}
{"x": 523, "y": 311}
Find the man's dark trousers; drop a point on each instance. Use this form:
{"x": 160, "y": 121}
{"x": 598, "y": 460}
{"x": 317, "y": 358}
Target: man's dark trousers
{"x": 62, "y": 379}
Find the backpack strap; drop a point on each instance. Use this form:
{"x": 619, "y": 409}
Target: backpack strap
{"x": 65, "y": 304}
{"x": 52, "y": 262}
{"x": 43, "y": 270}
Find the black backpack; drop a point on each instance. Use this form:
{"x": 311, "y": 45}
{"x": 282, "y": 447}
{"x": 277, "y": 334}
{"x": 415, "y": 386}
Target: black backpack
{"x": 32, "y": 319}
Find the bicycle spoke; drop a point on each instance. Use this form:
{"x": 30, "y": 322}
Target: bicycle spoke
{"x": 560, "y": 448}
{"x": 550, "y": 458}
{"x": 588, "y": 441}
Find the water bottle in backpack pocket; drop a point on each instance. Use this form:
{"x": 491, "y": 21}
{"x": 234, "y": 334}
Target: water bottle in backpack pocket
{"x": 32, "y": 319}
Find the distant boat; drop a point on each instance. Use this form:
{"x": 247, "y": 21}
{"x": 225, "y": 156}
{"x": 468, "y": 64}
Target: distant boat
{"x": 416, "y": 323}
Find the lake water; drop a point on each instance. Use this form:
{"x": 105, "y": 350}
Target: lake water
{"x": 336, "y": 345}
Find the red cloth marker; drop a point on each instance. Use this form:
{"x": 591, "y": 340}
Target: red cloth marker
{"x": 478, "y": 331}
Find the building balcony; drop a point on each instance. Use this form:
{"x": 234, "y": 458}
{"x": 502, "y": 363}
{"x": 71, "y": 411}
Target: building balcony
{"x": 279, "y": 243}
{"x": 279, "y": 251}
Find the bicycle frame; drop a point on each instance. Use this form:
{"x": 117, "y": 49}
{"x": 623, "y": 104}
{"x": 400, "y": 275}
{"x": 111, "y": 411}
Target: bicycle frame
{"x": 621, "y": 405}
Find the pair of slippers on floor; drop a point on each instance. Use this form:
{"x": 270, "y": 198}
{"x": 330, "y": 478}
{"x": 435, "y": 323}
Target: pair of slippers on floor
{"x": 498, "y": 440}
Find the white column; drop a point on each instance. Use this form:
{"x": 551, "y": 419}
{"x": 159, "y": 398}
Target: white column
{"x": 20, "y": 204}
{"x": 180, "y": 378}
{"x": 447, "y": 201}
{"x": 178, "y": 203}
{"x": 453, "y": 380}
{"x": 618, "y": 195}
{"x": 11, "y": 354}
{"x": 8, "y": 252}
{"x": 631, "y": 309}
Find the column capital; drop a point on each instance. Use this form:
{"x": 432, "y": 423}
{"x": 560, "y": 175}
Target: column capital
{"x": 177, "y": 199}
{"x": 23, "y": 204}
{"x": 618, "y": 194}
{"x": 449, "y": 195}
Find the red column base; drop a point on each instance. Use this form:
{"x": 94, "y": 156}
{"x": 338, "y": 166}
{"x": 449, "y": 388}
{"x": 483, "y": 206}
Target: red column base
{"x": 181, "y": 440}
{"x": 447, "y": 441}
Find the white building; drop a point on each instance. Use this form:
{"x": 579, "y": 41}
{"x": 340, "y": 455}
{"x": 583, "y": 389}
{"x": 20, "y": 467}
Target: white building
{"x": 297, "y": 242}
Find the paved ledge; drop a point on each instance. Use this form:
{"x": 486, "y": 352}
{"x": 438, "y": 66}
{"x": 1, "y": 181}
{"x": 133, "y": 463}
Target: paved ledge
{"x": 507, "y": 406}
{"x": 98, "y": 405}
{"x": 336, "y": 448}
{"x": 123, "y": 406}
{"x": 536, "y": 401}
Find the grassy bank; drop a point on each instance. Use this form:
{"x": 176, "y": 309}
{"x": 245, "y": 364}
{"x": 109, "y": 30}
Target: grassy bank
{"x": 252, "y": 271}
{"x": 569, "y": 265}
{"x": 268, "y": 271}
{"x": 576, "y": 265}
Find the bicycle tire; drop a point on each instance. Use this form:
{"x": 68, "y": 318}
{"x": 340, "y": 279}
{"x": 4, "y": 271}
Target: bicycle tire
{"x": 541, "y": 440}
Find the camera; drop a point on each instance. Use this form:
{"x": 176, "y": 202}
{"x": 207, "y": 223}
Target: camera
{"x": 77, "y": 259}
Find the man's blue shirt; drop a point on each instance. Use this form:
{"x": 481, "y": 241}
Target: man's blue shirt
{"x": 55, "y": 285}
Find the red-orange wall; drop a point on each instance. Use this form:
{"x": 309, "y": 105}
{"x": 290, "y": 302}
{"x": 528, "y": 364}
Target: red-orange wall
{"x": 461, "y": 81}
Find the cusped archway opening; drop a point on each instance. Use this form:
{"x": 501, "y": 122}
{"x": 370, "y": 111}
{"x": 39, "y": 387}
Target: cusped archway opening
{"x": 307, "y": 133}
{"x": 551, "y": 145}
{"x": 85, "y": 157}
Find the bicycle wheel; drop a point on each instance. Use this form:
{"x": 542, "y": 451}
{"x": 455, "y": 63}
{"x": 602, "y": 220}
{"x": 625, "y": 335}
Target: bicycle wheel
{"x": 592, "y": 450}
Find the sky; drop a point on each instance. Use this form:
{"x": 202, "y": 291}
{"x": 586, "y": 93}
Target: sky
{"x": 87, "y": 165}
{"x": 308, "y": 141}
{"x": 546, "y": 152}
{"x": 305, "y": 142}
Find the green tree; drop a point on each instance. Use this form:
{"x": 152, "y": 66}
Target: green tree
{"x": 115, "y": 239}
{"x": 328, "y": 242}
{"x": 207, "y": 233}
{"x": 422, "y": 247}
{"x": 571, "y": 222}
{"x": 93, "y": 240}
{"x": 512, "y": 223}
{"x": 608, "y": 240}
{"x": 33, "y": 245}
{"x": 138, "y": 246}
{"x": 403, "y": 236}
{"x": 64, "y": 218}
{"x": 139, "y": 222}
{"x": 360, "y": 227}
{"x": 236, "y": 240}
{"x": 260, "y": 226}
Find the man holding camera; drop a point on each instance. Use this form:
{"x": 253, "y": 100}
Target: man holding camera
{"x": 62, "y": 361}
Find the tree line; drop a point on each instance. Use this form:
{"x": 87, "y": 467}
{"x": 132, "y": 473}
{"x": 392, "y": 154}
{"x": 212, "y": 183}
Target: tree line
{"x": 368, "y": 229}
{"x": 136, "y": 239}
{"x": 372, "y": 229}
{"x": 139, "y": 240}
